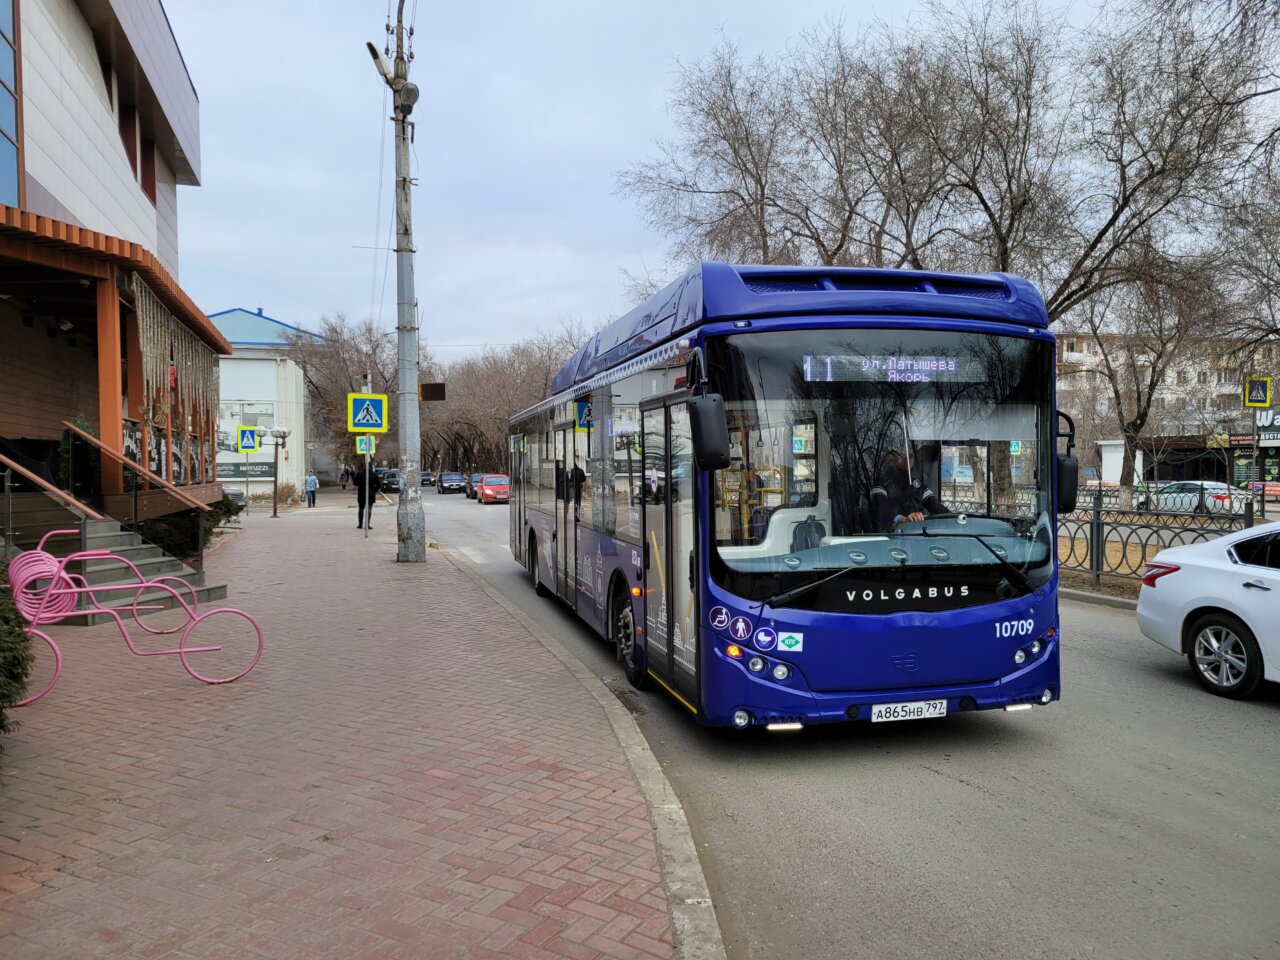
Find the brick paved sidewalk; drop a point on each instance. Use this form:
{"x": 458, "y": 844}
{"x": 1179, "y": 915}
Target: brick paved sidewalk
{"x": 407, "y": 773}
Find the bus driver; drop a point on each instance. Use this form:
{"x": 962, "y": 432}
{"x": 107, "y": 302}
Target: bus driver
{"x": 898, "y": 498}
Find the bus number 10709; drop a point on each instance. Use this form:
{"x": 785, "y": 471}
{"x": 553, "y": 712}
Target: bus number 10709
{"x": 1015, "y": 628}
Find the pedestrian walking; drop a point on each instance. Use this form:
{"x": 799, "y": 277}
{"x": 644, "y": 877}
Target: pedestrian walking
{"x": 311, "y": 485}
{"x": 364, "y": 511}
{"x": 344, "y": 476}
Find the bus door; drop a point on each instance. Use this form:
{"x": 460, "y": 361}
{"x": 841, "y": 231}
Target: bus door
{"x": 671, "y": 624}
{"x": 516, "y": 475}
{"x": 566, "y": 535}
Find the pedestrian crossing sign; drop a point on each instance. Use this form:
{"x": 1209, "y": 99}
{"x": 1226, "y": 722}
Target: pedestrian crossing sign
{"x": 367, "y": 444}
{"x": 1257, "y": 391}
{"x": 367, "y": 413}
{"x": 247, "y": 439}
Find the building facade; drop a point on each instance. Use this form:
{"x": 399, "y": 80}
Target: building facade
{"x": 1197, "y": 428}
{"x": 261, "y": 386}
{"x": 99, "y": 125}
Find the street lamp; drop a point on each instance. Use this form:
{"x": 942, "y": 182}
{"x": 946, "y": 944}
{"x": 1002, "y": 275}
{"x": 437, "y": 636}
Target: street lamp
{"x": 281, "y": 435}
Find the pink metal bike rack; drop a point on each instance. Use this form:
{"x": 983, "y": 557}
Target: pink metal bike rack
{"x": 45, "y": 593}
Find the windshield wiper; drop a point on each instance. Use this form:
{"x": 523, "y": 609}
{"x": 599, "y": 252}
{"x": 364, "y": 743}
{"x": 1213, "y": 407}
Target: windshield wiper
{"x": 788, "y": 595}
{"x": 1009, "y": 568}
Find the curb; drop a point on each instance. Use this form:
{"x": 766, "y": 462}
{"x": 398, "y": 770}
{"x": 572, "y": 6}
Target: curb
{"x": 225, "y": 535}
{"x": 1084, "y": 596}
{"x": 693, "y": 916}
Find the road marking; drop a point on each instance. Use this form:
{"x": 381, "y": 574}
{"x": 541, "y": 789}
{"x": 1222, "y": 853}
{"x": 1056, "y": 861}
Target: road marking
{"x": 472, "y": 554}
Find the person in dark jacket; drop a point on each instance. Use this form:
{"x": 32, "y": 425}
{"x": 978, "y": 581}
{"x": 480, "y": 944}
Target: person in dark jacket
{"x": 364, "y": 511}
{"x": 899, "y": 498}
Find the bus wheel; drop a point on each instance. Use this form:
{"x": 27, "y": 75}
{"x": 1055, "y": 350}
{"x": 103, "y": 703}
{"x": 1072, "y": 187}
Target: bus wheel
{"x": 531, "y": 564}
{"x": 623, "y": 627}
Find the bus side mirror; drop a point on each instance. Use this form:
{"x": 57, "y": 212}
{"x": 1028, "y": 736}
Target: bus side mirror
{"x": 710, "y": 429}
{"x": 1068, "y": 482}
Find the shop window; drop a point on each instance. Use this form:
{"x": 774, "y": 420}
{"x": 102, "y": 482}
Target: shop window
{"x": 148, "y": 173}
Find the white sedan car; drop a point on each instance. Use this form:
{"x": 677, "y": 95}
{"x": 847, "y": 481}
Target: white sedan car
{"x": 1212, "y": 603}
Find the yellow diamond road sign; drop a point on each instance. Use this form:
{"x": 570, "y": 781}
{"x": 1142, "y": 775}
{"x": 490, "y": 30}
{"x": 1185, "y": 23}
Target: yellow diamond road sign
{"x": 1257, "y": 391}
{"x": 367, "y": 413}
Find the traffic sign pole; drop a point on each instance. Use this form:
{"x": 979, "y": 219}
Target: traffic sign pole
{"x": 1257, "y": 472}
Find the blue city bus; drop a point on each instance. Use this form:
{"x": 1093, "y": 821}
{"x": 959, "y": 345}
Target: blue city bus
{"x": 793, "y": 495}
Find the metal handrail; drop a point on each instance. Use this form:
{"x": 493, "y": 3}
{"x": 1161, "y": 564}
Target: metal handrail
{"x": 153, "y": 478}
{"x": 50, "y": 489}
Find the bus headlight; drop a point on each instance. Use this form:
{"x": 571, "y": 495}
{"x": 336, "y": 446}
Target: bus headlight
{"x": 781, "y": 672}
{"x": 1020, "y": 656}
{"x": 1047, "y": 696}
{"x": 755, "y": 664}
{"x": 1035, "y": 648}
{"x": 741, "y": 719}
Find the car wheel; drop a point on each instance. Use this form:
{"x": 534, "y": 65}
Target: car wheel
{"x": 1224, "y": 656}
{"x": 622, "y": 627}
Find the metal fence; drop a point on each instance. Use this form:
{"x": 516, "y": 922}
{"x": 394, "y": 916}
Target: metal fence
{"x": 1103, "y": 541}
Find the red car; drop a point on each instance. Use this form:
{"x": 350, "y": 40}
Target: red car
{"x": 493, "y": 488}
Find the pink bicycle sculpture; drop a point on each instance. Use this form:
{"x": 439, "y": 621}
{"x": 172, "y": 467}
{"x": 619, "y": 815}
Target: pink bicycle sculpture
{"x": 45, "y": 592}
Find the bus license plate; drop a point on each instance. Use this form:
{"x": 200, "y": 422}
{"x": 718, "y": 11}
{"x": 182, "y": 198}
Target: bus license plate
{"x": 917, "y": 710}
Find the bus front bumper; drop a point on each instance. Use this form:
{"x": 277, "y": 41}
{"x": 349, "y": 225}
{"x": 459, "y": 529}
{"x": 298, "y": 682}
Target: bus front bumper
{"x": 766, "y": 702}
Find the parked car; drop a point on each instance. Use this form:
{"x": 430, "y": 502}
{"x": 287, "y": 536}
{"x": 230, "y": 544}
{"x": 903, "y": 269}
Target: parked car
{"x": 1212, "y": 603}
{"x": 391, "y": 481}
{"x": 1196, "y": 496}
{"x": 428, "y": 478}
{"x": 450, "y": 482}
{"x": 235, "y": 495}
{"x": 472, "y": 481}
{"x": 493, "y": 488}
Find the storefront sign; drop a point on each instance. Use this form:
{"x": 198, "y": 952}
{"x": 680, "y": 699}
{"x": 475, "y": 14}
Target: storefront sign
{"x": 244, "y": 471}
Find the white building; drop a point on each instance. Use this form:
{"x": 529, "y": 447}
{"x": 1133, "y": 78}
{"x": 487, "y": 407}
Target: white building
{"x": 261, "y": 386}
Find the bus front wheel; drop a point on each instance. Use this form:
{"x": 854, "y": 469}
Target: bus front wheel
{"x": 623, "y": 628}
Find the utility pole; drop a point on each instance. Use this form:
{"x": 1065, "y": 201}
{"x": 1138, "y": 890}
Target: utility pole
{"x": 411, "y": 523}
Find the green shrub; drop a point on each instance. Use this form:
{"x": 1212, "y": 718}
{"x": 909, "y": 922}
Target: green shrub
{"x": 175, "y": 533}
{"x": 16, "y": 658}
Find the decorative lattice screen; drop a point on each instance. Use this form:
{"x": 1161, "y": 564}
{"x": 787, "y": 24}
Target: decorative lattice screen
{"x": 165, "y": 340}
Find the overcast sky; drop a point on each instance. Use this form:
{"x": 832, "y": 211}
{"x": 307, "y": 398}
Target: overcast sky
{"x": 528, "y": 112}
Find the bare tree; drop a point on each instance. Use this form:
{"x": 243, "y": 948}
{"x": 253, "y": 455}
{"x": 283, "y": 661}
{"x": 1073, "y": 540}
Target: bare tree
{"x": 469, "y": 430}
{"x": 996, "y": 138}
{"x": 1140, "y": 331}
{"x": 712, "y": 188}
{"x": 335, "y": 364}
{"x": 1167, "y": 117}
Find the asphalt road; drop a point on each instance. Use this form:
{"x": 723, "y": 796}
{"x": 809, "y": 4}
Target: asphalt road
{"x": 1136, "y": 818}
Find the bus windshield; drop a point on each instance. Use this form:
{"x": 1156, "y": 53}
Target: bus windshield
{"x": 879, "y": 469}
